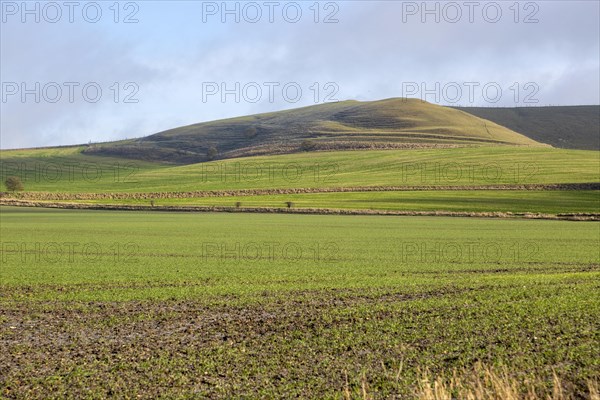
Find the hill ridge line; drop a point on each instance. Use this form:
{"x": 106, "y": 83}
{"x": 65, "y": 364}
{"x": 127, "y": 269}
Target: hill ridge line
{"x": 335, "y": 126}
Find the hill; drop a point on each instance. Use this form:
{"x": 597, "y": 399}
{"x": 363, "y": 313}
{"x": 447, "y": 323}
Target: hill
{"x": 568, "y": 127}
{"x": 347, "y": 125}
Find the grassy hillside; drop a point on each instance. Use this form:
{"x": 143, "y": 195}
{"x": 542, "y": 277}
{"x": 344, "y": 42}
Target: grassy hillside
{"x": 67, "y": 170}
{"x": 569, "y": 127}
{"x": 390, "y": 123}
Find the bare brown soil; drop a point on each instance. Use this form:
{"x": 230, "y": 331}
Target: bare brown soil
{"x": 148, "y": 349}
{"x": 301, "y": 344}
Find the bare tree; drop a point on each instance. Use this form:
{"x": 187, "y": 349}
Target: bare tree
{"x": 13, "y": 183}
{"x": 308, "y": 145}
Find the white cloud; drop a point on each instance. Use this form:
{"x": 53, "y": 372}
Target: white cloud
{"x": 368, "y": 54}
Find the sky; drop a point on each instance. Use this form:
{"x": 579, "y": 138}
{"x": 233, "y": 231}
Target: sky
{"x": 76, "y": 72}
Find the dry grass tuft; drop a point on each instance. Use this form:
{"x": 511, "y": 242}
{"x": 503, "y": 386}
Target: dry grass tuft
{"x": 485, "y": 383}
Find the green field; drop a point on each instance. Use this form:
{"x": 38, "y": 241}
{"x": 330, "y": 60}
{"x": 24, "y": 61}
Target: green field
{"x": 249, "y": 305}
{"x": 515, "y": 201}
{"x": 67, "y": 170}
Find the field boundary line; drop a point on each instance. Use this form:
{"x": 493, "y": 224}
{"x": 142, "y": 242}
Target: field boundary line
{"x": 315, "y": 211}
{"x": 266, "y": 192}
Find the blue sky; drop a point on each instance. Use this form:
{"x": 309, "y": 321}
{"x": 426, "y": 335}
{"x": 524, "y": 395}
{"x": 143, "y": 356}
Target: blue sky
{"x": 167, "y": 63}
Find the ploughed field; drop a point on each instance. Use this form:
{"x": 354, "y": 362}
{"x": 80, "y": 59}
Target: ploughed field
{"x": 98, "y": 303}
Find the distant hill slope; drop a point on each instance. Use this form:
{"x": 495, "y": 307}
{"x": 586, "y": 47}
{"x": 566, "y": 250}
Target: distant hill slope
{"x": 391, "y": 123}
{"x": 568, "y": 127}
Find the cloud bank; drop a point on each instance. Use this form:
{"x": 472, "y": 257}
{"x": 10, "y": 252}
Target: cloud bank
{"x": 159, "y": 65}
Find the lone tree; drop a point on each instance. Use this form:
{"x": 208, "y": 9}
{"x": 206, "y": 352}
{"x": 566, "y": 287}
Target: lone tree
{"x": 13, "y": 183}
{"x": 308, "y": 145}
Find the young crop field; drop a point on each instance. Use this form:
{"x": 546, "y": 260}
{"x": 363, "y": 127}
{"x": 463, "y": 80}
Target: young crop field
{"x": 515, "y": 201}
{"x": 173, "y": 305}
{"x": 341, "y": 200}
{"x": 67, "y": 170}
